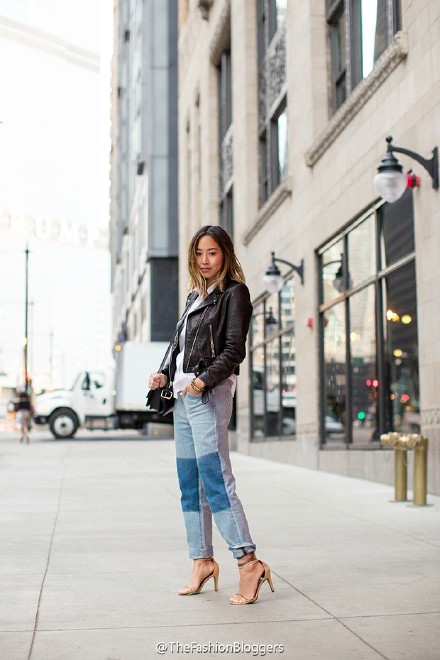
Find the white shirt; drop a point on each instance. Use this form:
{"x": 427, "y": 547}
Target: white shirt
{"x": 182, "y": 379}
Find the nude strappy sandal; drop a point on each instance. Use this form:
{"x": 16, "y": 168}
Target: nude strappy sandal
{"x": 187, "y": 591}
{"x": 265, "y": 576}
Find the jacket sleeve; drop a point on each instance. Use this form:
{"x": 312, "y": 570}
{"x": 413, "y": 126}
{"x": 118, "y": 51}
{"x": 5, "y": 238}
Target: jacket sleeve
{"x": 237, "y": 319}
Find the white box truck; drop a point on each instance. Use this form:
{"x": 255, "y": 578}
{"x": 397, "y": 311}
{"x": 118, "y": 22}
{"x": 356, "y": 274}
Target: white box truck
{"x": 113, "y": 399}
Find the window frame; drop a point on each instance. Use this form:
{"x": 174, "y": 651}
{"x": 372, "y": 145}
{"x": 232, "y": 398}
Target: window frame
{"x": 348, "y": 291}
{"x": 267, "y": 33}
{"x": 352, "y": 22}
{"x": 225, "y": 126}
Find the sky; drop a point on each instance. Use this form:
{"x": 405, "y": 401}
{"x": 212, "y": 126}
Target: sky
{"x": 54, "y": 187}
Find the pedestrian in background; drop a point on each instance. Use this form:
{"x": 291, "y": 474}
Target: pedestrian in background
{"x": 24, "y": 415}
{"x": 204, "y": 357}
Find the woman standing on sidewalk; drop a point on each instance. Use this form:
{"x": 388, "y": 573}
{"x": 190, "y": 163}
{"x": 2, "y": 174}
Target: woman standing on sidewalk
{"x": 24, "y": 415}
{"x": 208, "y": 346}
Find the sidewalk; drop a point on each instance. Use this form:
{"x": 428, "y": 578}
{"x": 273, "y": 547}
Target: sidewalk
{"x": 92, "y": 552}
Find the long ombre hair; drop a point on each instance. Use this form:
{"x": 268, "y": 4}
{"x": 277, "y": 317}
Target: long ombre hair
{"x": 231, "y": 268}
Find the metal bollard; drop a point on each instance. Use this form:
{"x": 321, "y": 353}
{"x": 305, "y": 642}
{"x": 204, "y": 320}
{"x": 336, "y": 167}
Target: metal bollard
{"x": 401, "y": 443}
{"x": 400, "y": 475}
{"x": 400, "y": 466}
{"x": 420, "y": 486}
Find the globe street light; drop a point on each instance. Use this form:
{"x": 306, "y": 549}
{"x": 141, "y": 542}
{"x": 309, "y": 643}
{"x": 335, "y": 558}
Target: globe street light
{"x": 390, "y": 182}
{"x": 273, "y": 280}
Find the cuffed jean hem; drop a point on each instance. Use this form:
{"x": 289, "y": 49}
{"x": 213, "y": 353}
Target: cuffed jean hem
{"x": 206, "y": 553}
{"x": 238, "y": 553}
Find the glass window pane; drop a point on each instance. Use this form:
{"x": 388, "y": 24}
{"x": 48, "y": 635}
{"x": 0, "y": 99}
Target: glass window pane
{"x": 257, "y": 419}
{"x": 400, "y": 318}
{"x": 365, "y": 378}
{"x": 273, "y": 394}
{"x": 332, "y": 272}
{"x": 362, "y": 252}
{"x": 288, "y": 383}
{"x": 396, "y": 223}
{"x": 374, "y": 33}
{"x": 287, "y": 303}
{"x": 282, "y": 153}
{"x": 334, "y": 370}
{"x": 337, "y": 36}
{"x": 263, "y": 169}
{"x": 257, "y": 325}
{"x": 338, "y": 55}
{"x": 281, "y": 12}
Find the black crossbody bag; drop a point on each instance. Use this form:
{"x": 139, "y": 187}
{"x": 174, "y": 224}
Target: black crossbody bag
{"x": 161, "y": 400}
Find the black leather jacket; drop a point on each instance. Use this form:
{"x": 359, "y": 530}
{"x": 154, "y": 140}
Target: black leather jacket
{"x": 215, "y": 335}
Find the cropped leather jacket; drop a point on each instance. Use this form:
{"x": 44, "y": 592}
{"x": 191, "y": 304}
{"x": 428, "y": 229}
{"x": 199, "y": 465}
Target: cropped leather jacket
{"x": 215, "y": 339}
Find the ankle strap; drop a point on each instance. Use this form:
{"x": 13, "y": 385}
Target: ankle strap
{"x": 249, "y": 562}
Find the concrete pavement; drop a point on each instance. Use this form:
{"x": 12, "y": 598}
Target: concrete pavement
{"x": 92, "y": 551}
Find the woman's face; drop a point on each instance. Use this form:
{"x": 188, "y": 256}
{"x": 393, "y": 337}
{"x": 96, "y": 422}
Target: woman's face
{"x": 209, "y": 258}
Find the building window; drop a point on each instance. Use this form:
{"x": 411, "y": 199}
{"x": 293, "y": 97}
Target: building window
{"x": 368, "y": 329}
{"x": 226, "y": 141}
{"x": 273, "y": 366}
{"x": 359, "y": 32}
{"x": 272, "y": 101}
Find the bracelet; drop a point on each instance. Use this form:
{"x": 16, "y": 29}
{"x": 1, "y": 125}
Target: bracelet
{"x": 199, "y": 390}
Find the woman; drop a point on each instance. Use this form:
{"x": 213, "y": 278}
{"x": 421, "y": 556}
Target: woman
{"x": 208, "y": 346}
{"x": 24, "y": 415}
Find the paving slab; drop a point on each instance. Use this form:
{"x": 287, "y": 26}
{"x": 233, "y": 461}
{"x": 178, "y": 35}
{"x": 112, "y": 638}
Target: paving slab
{"x": 93, "y": 526}
{"x": 15, "y": 645}
{"x": 314, "y": 640}
{"x": 401, "y": 637}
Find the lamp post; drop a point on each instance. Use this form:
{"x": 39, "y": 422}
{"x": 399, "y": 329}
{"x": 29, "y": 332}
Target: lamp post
{"x": 390, "y": 182}
{"x": 26, "y": 319}
{"x": 273, "y": 280}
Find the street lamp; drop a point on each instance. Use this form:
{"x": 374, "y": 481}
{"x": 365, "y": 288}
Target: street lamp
{"x": 273, "y": 280}
{"x": 390, "y": 182}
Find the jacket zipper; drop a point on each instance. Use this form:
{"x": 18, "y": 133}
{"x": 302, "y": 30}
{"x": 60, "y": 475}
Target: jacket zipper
{"x": 212, "y": 342}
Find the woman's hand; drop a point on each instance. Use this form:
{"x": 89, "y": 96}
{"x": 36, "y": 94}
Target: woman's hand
{"x": 189, "y": 389}
{"x": 157, "y": 380}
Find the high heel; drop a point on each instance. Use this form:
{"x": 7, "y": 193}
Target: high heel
{"x": 265, "y": 576}
{"x": 214, "y": 574}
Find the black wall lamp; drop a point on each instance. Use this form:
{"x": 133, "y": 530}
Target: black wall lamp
{"x": 390, "y": 182}
{"x": 273, "y": 280}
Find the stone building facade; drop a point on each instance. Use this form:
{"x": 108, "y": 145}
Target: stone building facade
{"x": 283, "y": 112}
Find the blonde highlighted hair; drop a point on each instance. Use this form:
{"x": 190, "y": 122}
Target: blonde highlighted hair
{"x": 231, "y": 268}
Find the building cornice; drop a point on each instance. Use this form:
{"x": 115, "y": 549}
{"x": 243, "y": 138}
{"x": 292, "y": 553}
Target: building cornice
{"x": 281, "y": 193}
{"x": 388, "y": 61}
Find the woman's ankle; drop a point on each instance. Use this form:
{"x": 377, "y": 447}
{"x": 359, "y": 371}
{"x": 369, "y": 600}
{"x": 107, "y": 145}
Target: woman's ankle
{"x": 246, "y": 559}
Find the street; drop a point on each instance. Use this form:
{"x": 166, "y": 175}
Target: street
{"x": 93, "y": 551}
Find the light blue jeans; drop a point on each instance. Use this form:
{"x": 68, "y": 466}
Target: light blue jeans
{"x": 207, "y": 484}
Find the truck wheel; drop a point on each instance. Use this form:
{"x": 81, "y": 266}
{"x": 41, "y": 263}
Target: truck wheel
{"x": 63, "y": 423}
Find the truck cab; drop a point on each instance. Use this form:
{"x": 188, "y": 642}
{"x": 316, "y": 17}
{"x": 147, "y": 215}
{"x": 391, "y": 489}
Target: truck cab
{"x": 91, "y": 395}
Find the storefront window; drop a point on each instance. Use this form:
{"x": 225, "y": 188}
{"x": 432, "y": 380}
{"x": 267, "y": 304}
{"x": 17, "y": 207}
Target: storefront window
{"x": 273, "y": 362}
{"x": 364, "y": 366}
{"x": 335, "y": 370}
{"x": 362, "y": 252}
{"x": 332, "y": 272}
{"x": 396, "y": 229}
{"x": 400, "y": 330}
{"x": 369, "y": 354}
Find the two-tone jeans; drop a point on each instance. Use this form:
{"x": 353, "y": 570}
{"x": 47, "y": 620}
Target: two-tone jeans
{"x": 206, "y": 482}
